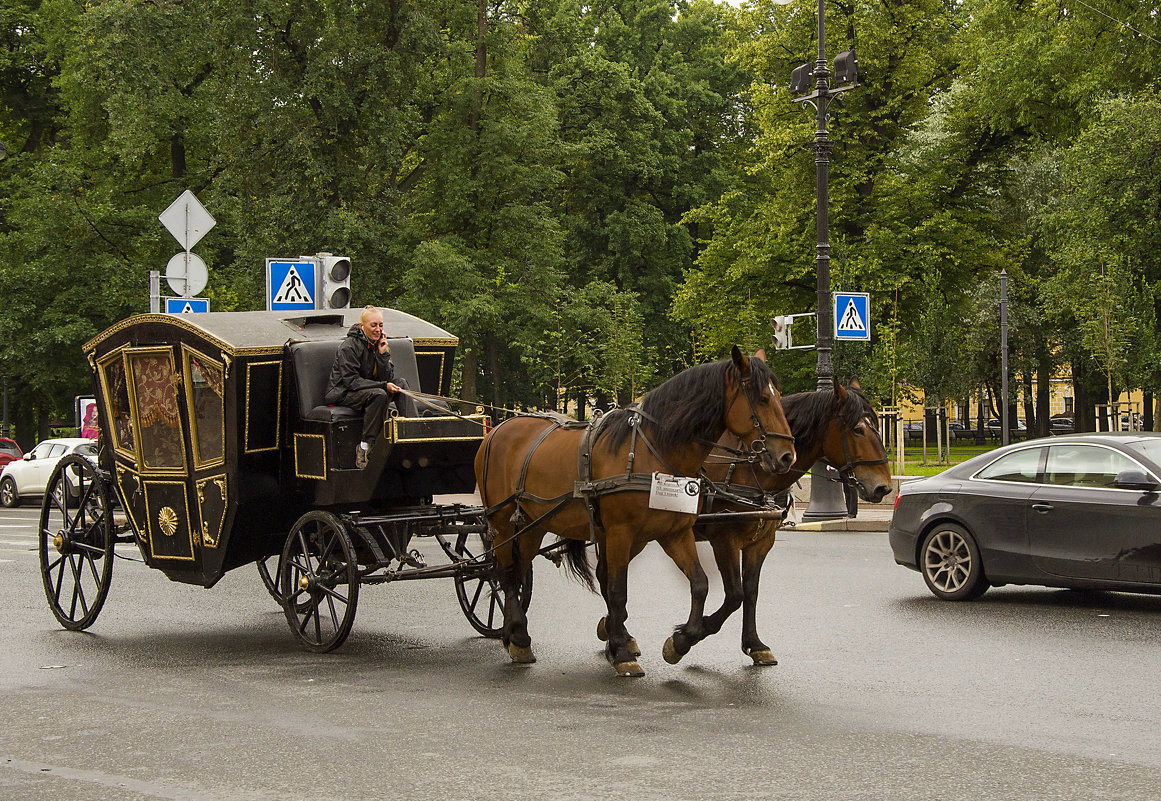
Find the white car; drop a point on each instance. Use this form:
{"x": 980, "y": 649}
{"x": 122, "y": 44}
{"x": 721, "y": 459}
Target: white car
{"x": 29, "y": 476}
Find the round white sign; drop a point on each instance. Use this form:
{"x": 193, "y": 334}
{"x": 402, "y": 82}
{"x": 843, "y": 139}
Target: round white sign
{"x": 187, "y": 274}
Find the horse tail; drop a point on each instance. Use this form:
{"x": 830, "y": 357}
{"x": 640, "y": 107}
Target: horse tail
{"x": 576, "y": 557}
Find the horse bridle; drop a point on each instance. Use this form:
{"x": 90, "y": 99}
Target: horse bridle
{"x": 758, "y": 446}
{"x": 847, "y": 470}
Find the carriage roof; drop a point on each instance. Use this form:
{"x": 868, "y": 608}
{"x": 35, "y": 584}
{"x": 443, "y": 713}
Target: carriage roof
{"x": 253, "y": 332}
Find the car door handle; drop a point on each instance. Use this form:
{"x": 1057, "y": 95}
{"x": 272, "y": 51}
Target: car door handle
{"x": 1042, "y": 507}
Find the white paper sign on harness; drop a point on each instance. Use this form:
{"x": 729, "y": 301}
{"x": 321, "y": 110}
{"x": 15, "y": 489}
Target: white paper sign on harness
{"x": 674, "y": 493}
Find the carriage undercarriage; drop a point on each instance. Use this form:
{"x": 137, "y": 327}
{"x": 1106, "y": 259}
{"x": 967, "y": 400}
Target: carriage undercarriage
{"x": 326, "y": 558}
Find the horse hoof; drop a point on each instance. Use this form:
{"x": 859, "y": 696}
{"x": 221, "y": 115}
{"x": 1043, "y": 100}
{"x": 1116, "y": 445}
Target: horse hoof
{"x": 603, "y": 633}
{"x": 763, "y": 657}
{"x": 521, "y": 655}
{"x": 669, "y": 651}
{"x": 633, "y": 647}
{"x": 629, "y": 670}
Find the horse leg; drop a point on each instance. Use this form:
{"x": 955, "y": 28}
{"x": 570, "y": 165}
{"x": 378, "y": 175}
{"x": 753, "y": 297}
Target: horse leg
{"x": 602, "y": 624}
{"x": 727, "y": 557}
{"x": 683, "y": 552}
{"x": 612, "y": 571}
{"x": 753, "y": 556}
{"x": 511, "y": 568}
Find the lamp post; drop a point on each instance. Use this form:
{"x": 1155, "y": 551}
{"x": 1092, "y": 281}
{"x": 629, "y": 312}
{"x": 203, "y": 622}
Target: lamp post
{"x": 1005, "y": 435}
{"x": 826, "y": 496}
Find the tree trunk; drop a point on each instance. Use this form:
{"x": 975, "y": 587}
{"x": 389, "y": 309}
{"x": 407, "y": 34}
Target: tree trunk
{"x": 492, "y": 361}
{"x": 1043, "y": 394}
{"x": 1147, "y": 412}
{"x": 468, "y": 370}
{"x": 481, "y": 64}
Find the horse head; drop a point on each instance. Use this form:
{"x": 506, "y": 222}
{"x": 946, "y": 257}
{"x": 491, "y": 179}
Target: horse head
{"x": 754, "y": 413}
{"x": 853, "y": 446}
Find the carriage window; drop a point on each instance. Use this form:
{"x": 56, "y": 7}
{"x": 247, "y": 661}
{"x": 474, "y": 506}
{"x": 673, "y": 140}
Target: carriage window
{"x": 204, "y": 397}
{"x": 155, "y": 390}
{"x": 117, "y": 402}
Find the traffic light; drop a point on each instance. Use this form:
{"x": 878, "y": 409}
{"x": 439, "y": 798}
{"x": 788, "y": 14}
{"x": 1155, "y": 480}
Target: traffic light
{"x": 846, "y": 68}
{"x": 782, "y": 338}
{"x": 800, "y": 78}
{"x": 335, "y": 282}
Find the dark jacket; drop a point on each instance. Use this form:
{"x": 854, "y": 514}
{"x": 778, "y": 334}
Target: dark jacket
{"x": 358, "y": 365}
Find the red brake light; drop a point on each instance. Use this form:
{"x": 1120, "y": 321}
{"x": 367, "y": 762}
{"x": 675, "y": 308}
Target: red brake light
{"x": 898, "y": 495}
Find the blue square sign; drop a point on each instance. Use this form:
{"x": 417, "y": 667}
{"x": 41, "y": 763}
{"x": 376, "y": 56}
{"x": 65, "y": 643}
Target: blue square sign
{"x": 186, "y": 305}
{"x": 852, "y": 316}
{"x": 290, "y": 285}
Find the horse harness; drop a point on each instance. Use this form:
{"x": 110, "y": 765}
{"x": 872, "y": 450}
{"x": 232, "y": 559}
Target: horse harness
{"x": 589, "y": 490}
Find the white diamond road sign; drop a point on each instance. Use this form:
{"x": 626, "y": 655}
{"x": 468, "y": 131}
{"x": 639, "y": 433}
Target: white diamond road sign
{"x": 290, "y": 285}
{"x": 186, "y": 305}
{"x": 852, "y": 316}
{"x": 187, "y": 219}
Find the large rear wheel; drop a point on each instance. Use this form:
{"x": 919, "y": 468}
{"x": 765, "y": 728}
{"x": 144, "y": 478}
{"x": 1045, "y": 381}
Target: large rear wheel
{"x": 319, "y": 581}
{"x": 76, "y": 542}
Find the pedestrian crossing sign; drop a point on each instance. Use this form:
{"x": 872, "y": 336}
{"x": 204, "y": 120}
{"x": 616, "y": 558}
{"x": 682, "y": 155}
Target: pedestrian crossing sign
{"x": 290, "y": 285}
{"x": 186, "y": 305}
{"x": 852, "y": 316}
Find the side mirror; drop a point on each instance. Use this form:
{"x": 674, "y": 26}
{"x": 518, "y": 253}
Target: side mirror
{"x": 28, "y": 457}
{"x": 1135, "y": 480}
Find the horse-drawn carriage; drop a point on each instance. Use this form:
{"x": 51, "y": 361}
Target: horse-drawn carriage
{"x": 218, "y": 451}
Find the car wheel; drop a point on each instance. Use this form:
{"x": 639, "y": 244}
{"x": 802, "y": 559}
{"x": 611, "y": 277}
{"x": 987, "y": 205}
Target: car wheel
{"x": 8, "y": 495}
{"x": 951, "y": 564}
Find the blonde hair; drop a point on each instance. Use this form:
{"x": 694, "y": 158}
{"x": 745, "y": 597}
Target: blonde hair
{"x": 368, "y": 310}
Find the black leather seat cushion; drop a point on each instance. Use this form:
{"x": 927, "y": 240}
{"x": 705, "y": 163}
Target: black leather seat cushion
{"x": 312, "y": 369}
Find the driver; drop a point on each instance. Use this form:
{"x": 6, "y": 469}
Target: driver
{"x": 363, "y": 378}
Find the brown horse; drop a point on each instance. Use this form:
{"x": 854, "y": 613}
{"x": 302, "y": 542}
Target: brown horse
{"x": 538, "y": 475}
{"x": 839, "y": 428}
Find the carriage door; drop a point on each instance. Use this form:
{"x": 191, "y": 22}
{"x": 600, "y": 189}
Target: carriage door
{"x": 154, "y": 384}
{"x": 204, "y": 380}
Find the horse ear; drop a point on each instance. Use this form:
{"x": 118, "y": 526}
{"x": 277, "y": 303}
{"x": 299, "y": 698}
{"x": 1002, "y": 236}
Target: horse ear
{"x": 741, "y": 362}
{"x": 840, "y": 392}
{"x": 855, "y": 384}
{"x": 760, "y": 354}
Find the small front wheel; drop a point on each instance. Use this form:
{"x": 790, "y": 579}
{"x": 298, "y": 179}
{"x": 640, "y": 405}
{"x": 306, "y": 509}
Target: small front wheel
{"x": 951, "y": 564}
{"x": 76, "y": 542}
{"x": 319, "y": 581}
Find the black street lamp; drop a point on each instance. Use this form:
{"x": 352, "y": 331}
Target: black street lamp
{"x": 826, "y": 497}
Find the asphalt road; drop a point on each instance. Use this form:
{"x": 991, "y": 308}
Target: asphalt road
{"x": 883, "y": 692}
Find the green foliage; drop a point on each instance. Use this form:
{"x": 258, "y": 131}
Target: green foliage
{"x": 592, "y": 195}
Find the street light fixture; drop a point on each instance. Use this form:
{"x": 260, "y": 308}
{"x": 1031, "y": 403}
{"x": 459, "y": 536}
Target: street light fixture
{"x": 826, "y": 497}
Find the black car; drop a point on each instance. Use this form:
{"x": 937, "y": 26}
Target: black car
{"x": 1079, "y": 511}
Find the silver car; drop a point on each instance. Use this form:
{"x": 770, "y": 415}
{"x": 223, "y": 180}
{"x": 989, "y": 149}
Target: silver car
{"x": 27, "y": 477}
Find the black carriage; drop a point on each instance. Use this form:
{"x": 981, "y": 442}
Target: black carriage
{"x": 218, "y": 451}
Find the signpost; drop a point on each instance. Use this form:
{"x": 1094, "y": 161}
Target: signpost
{"x": 188, "y": 221}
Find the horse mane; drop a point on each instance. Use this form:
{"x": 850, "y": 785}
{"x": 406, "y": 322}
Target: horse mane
{"x": 687, "y": 407}
{"x": 809, "y": 412}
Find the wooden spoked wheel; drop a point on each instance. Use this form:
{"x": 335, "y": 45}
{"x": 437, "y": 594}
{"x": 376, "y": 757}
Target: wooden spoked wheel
{"x": 76, "y": 542}
{"x": 319, "y": 581}
{"x": 478, "y": 588}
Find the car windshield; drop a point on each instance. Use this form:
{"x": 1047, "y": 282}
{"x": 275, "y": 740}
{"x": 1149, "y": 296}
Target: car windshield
{"x": 9, "y": 447}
